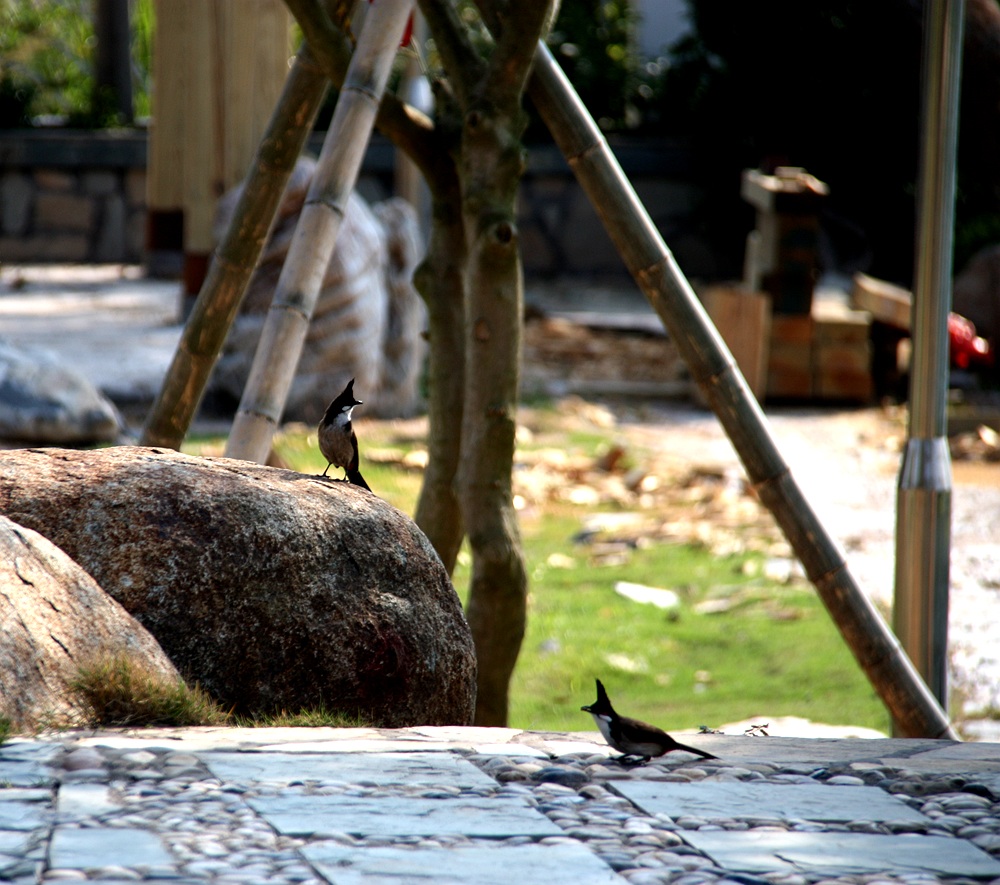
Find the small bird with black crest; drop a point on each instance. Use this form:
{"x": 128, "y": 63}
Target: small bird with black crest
{"x": 337, "y": 439}
{"x": 631, "y": 737}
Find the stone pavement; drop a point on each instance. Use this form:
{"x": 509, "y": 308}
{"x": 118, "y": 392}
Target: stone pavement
{"x": 484, "y": 806}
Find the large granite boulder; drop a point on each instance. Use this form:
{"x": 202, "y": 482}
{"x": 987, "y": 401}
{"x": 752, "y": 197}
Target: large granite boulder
{"x": 53, "y": 619}
{"x": 44, "y": 401}
{"x": 271, "y": 589}
{"x": 368, "y": 319}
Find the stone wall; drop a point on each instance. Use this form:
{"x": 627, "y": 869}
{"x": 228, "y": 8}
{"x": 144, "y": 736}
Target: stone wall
{"x": 80, "y": 197}
{"x": 72, "y": 197}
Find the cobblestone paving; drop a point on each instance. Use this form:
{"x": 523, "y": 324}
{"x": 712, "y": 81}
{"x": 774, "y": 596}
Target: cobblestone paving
{"x": 487, "y": 806}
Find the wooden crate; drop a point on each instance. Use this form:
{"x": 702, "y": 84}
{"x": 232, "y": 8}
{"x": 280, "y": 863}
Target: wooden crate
{"x": 843, "y": 371}
{"x": 827, "y": 355}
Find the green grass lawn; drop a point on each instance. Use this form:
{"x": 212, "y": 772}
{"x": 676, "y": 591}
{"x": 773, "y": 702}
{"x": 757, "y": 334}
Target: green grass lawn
{"x": 774, "y": 652}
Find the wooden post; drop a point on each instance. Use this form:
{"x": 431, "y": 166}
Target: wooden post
{"x": 218, "y": 69}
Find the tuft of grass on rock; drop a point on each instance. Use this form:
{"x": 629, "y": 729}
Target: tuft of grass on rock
{"x": 313, "y": 717}
{"x": 118, "y": 691}
{"x": 4, "y": 729}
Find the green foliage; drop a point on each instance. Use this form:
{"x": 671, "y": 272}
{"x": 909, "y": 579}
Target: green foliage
{"x": 46, "y": 59}
{"x": 4, "y": 729}
{"x": 143, "y": 22}
{"x": 119, "y": 692}
{"x": 594, "y": 42}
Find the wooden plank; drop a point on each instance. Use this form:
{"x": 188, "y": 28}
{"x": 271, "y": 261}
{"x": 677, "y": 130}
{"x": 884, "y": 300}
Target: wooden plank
{"x": 219, "y": 67}
{"x": 789, "y": 364}
{"x": 164, "y": 181}
{"x": 789, "y": 329}
{"x": 886, "y": 302}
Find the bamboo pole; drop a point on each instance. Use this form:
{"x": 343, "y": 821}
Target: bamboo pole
{"x": 912, "y": 705}
{"x": 237, "y": 255}
{"x": 287, "y": 321}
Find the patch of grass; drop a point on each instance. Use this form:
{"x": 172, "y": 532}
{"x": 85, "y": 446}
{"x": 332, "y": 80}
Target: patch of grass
{"x": 775, "y": 653}
{"x": 5, "y": 729}
{"x": 118, "y": 692}
{"x": 315, "y": 717}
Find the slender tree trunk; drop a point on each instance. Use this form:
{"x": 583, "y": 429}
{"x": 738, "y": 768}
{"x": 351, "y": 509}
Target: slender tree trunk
{"x": 491, "y": 167}
{"x": 113, "y": 61}
{"x": 440, "y": 279}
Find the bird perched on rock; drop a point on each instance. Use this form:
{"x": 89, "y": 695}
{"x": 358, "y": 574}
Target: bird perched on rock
{"x": 337, "y": 439}
{"x": 630, "y": 737}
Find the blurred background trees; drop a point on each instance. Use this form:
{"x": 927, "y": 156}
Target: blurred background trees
{"x": 832, "y": 86}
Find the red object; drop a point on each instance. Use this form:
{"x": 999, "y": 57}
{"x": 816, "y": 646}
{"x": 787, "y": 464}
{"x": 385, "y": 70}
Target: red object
{"x": 408, "y": 33}
{"x": 967, "y": 348}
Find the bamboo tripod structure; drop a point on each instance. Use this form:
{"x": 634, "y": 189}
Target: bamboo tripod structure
{"x": 912, "y": 705}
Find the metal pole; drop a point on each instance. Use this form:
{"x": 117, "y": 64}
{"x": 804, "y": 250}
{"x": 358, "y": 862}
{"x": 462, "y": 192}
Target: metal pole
{"x": 923, "y": 514}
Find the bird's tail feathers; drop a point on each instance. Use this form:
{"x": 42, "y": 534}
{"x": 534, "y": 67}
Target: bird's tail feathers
{"x": 694, "y": 750}
{"x": 355, "y": 477}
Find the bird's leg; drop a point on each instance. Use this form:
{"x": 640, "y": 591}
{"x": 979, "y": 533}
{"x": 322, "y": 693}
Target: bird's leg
{"x": 629, "y": 759}
{"x": 327, "y": 468}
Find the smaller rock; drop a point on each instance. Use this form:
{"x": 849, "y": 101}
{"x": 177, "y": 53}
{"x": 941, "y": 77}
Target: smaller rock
{"x": 44, "y": 401}
{"x": 53, "y": 617}
{"x": 85, "y": 758}
{"x": 567, "y": 777}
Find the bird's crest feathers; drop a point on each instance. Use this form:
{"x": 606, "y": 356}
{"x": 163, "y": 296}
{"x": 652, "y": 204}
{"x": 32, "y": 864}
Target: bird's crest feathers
{"x": 602, "y": 706}
{"x": 343, "y": 403}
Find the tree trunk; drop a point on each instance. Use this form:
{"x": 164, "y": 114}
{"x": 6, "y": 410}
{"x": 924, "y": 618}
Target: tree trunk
{"x": 440, "y": 279}
{"x": 112, "y": 62}
{"x": 491, "y": 167}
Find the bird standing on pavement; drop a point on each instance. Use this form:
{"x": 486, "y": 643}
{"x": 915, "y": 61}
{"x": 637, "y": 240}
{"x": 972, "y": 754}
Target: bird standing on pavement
{"x": 630, "y": 736}
{"x": 337, "y": 440}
